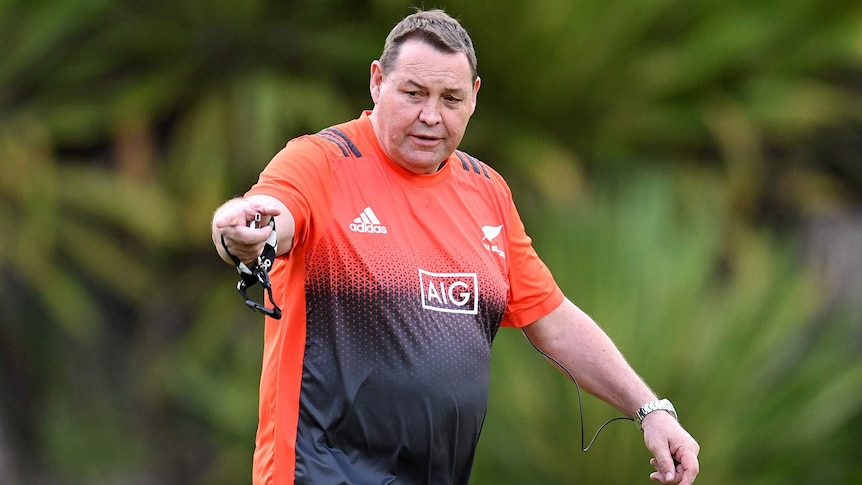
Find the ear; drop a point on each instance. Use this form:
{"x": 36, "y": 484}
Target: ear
{"x": 376, "y": 81}
{"x": 476, "y": 85}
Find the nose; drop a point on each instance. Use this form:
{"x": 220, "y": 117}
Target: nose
{"x": 430, "y": 114}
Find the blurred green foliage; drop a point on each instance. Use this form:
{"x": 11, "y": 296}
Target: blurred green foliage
{"x": 663, "y": 154}
{"x": 728, "y": 335}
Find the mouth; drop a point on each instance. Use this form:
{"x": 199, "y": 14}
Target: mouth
{"x": 426, "y": 139}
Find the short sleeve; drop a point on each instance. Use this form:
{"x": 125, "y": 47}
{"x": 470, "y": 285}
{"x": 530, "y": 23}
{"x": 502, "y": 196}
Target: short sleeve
{"x": 533, "y": 293}
{"x": 300, "y": 177}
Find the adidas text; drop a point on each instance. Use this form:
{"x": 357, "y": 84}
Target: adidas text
{"x": 368, "y": 228}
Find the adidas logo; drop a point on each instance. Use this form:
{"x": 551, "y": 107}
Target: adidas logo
{"x": 368, "y": 222}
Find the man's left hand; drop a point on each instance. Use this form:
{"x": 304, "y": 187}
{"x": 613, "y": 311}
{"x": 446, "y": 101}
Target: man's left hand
{"x": 674, "y": 450}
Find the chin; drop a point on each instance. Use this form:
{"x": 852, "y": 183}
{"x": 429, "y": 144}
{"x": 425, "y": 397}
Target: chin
{"x": 423, "y": 162}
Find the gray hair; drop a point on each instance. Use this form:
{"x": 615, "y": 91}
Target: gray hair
{"x": 435, "y": 28}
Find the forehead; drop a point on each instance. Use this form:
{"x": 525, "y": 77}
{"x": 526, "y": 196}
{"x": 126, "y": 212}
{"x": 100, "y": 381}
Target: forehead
{"x": 423, "y": 63}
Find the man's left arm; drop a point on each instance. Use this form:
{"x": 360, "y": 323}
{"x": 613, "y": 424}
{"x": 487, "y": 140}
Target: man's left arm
{"x": 570, "y": 336}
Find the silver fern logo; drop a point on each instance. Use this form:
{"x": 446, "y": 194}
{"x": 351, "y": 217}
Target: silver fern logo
{"x": 490, "y": 234}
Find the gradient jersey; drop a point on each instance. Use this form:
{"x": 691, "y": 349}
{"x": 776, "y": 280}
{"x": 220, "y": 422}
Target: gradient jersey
{"x": 392, "y": 294}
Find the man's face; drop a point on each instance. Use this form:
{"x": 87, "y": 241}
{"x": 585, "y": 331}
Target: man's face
{"x": 421, "y": 107}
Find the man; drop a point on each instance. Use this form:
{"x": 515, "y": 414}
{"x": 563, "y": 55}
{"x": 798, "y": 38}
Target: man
{"x": 399, "y": 257}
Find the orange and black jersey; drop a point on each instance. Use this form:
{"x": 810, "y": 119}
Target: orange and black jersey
{"x": 392, "y": 293}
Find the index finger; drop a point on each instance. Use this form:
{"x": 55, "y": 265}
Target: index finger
{"x": 266, "y": 205}
{"x": 240, "y": 212}
{"x": 264, "y": 208}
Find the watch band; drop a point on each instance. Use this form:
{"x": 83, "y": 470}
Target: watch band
{"x": 660, "y": 405}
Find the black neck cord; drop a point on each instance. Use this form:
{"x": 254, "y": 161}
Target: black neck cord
{"x": 258, "y": 272}
{"x": 580, "y": 400}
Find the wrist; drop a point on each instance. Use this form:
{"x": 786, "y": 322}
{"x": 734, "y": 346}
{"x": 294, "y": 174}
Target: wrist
{"x": 653, "y": 406}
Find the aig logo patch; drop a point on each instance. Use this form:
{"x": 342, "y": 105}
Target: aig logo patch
{"x": 449, "y": 292}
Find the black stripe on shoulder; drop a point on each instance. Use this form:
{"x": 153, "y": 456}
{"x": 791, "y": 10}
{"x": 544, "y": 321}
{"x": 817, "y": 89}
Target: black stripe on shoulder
{"x": 335, "y": 140}
{"x": 464, "y": 163}
{"x": 341, "y": 140}
{"x": 480, "y": 165}
{"x": 347, "y": 140}
{"x": 468, "y": 161}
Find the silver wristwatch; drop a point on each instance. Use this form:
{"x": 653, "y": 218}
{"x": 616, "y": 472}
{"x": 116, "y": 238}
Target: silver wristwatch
{"x": 660, "y": 405}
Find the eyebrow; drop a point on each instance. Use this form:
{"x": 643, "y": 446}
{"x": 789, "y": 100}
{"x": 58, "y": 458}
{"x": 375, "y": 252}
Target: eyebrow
{"x": 457, "y": 91}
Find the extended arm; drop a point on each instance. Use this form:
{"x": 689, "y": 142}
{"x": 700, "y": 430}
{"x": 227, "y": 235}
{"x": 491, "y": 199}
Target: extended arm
{"x": 571, "y": 337}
